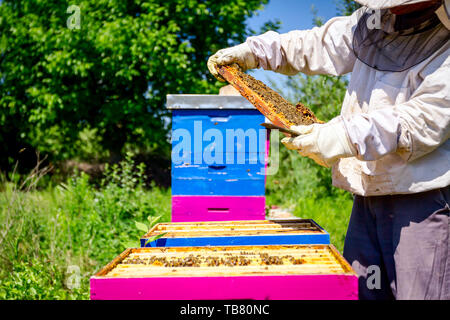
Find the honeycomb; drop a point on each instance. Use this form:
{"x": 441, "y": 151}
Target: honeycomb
{"x": 279, "y": 111}
{"x": 234, "y": 228}
{"x": 227, "y": 261}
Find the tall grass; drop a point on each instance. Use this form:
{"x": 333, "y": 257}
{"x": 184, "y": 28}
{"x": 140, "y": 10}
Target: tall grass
{"x": 53, "y": 240}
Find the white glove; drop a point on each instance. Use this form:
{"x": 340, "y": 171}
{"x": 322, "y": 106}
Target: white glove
{"x": 324, "y": 143}
{"x": 240, "y": 54}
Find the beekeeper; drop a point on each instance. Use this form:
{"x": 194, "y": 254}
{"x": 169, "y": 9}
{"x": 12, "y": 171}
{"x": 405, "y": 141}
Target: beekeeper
{"x": 390, "y": 146}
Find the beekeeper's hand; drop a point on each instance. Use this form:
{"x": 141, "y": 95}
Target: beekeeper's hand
{"x": 324, "y": 143}
{"x": 240, "y": 54}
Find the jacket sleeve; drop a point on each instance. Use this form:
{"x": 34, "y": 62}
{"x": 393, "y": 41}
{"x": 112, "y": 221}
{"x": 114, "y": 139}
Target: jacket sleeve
{"x": 413, "y": 128}
{"x": 322, "y": 50}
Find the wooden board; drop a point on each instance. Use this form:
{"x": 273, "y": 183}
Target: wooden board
{"x": 279, "y": 111}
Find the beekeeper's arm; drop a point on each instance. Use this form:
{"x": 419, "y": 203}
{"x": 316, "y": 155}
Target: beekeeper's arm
{"x": 322, "y": 50}
{"x": 412, "y": 129}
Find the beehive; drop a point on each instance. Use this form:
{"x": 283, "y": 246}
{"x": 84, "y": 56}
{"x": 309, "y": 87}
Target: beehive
{"x": 222, "y": 174}
{"x": 226, "y": 233}
{"x": 277, "y": 109}
{"x": 236, "y": 272}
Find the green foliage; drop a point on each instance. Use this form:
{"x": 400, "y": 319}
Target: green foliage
{"x": 145, "y": 228}
{"x": 322, "y": 94}
{"x": 299, "y": 176}
{"x": 36, "y": 279}
{"x": 273, "y": 25}
{"x": 46, "y": 232}
{"x": 347, "y": 7}
{"x": 111, "y": 76}
{"x": 331, "y": 213}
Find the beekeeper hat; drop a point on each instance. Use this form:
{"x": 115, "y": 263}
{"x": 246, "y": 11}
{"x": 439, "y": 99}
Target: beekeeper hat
{"x": 387, "y": 4}
{"x": 443, "y": 12}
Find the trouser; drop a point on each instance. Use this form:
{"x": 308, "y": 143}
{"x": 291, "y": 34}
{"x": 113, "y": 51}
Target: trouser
{"x": 399, "y": 245}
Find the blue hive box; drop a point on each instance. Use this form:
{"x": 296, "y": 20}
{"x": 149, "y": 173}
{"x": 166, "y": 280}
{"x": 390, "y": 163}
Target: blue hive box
{"x": 218, "y": 146}
{"x": 219, "y": 156}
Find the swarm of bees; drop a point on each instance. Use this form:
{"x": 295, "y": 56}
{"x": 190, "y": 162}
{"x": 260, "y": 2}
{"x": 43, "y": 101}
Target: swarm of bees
{"x": 245, "y": 258}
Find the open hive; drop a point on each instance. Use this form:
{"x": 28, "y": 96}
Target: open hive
{"x": 277, "y": 109}
{"x": 258, "y": 232}
{"x": 236, "y": 272}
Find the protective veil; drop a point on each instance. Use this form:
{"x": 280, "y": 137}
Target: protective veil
{"x": 388, "y": 42}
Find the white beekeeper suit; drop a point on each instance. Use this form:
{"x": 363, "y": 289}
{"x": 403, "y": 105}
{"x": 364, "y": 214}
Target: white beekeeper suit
{"x": 398, "y": 122}
{"x": 390, "y": 145}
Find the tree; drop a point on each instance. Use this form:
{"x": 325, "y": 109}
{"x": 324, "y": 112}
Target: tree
{"x": 347, "y": 7}
{"x": 109, "y": 74}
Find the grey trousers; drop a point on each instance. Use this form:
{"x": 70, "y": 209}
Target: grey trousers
{"x": 399, "y": 245}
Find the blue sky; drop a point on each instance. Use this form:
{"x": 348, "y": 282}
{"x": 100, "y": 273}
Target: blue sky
{"x": 294, "y": 14}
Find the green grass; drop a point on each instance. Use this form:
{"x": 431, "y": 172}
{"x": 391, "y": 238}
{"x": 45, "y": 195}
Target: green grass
{"x": 53, "y": 237}
{"x": 331, "y": 213}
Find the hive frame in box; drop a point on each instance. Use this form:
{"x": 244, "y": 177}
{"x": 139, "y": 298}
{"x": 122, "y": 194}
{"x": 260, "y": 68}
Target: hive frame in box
{"x": 317, "y": 234}
{"x": 257, "y": 286}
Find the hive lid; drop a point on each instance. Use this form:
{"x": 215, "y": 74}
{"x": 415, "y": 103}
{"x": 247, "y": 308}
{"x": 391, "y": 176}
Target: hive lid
{"x": 227, "y": 261}
{"x": 207, "y": 101}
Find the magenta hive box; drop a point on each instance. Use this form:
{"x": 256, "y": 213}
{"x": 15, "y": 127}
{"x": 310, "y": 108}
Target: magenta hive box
{"x": 285, "y": 272}
{"x": 219, "y": 158}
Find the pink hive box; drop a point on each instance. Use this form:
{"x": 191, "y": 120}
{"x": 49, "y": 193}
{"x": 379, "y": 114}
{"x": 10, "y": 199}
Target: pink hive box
{"x": 287, "y": 272}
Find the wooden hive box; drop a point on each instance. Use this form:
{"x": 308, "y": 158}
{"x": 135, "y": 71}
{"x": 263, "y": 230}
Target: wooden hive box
{"x": 236, "y": 233}
{"x": 291, "y": 272}
{"x": 219, "y": 158}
